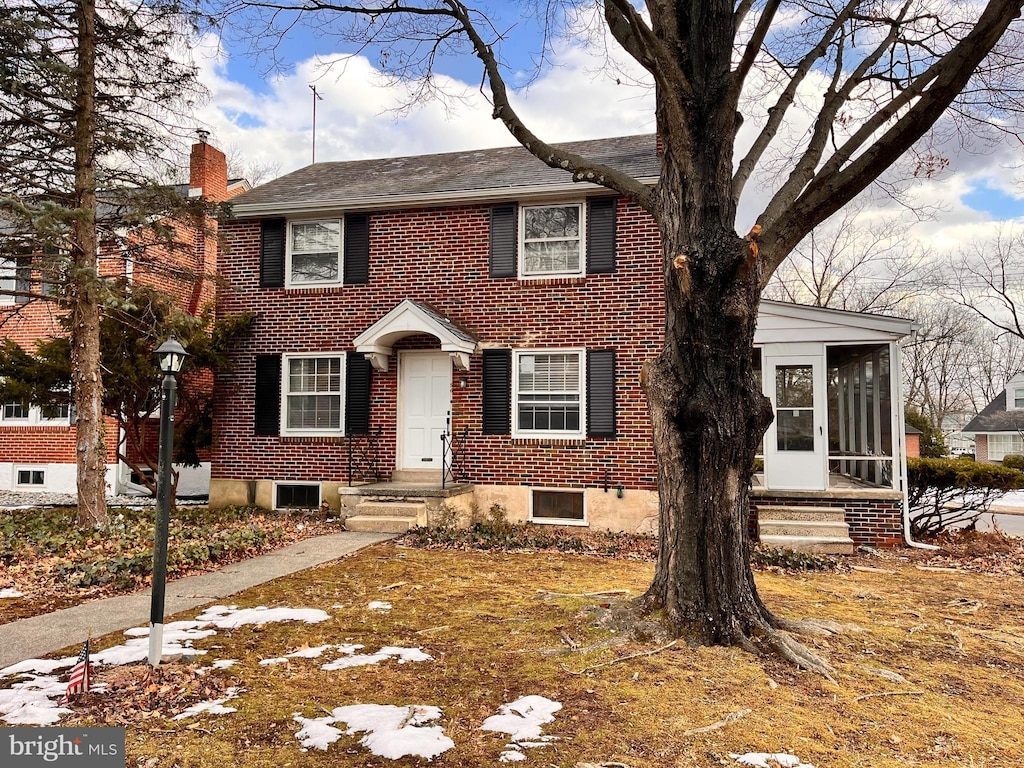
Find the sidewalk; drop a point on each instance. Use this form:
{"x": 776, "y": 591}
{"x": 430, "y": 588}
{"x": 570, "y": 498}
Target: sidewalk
{"x": 36, "y": 636}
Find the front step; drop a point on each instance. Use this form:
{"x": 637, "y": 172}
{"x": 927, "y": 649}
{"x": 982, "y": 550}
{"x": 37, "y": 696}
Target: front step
{"x": 382, "y": 516}
{"x": 816, "y": 530}
{"x": 424, "y": 476}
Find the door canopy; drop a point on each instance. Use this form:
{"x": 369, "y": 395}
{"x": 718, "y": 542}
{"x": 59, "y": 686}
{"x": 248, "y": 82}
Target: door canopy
{"x": 408, "y": 319}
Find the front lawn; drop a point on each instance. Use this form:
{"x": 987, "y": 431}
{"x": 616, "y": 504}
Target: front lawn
{"x": 435, "y": 648}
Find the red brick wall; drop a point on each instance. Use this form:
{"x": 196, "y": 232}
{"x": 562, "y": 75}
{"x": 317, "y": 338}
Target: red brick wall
{"x": 913, "y": 445}
{"x": 981, "y": 447}
{"x": 878, "y": 522}
{"x": 48, "y": 444}
{"x": 440, "y": 256}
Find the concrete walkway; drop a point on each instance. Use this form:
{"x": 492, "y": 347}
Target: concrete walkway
{"x": 36, "y": 636}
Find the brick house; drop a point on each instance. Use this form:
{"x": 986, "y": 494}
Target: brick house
{"x": 999, "y": 429}
{"x": 37, "y": 448}
{"x": 470, "y": 327}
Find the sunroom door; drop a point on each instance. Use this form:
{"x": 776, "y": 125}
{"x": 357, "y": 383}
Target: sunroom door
{"x": 795, "y": 445}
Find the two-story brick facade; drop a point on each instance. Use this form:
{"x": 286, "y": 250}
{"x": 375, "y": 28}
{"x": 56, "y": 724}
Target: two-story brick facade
{"x": 479, "y": 317}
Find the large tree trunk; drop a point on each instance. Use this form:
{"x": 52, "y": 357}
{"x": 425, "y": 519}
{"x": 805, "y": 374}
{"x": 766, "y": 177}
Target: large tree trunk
{"x": 83, "y": 287}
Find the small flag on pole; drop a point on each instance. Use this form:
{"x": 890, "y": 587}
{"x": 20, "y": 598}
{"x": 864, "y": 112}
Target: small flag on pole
{"x": 79, "y": 680}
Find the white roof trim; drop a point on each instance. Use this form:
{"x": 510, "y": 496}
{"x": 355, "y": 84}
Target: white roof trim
{"x": 406, "y": 319}
{"x": 417, "y": 199}
{"x": 897, "y": 326}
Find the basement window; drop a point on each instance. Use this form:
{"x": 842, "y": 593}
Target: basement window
{"x": 297, "y": 496}
{"x": 31, "y": 476}
{"x": 560, "y": 507}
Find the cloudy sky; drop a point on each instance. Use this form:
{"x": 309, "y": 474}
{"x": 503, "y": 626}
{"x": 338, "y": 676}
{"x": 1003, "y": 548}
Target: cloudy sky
{"x": 265, "y": 116}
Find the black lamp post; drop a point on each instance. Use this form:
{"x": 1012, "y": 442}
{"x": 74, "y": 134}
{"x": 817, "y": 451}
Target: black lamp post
{"x": 170, "y": 355}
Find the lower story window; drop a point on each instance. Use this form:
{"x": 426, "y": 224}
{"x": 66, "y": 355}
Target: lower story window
{"x": 1000, "y": 445}
{"x": 549, "y": 394}
{"x": 297, "y": 496}
{"x": 313, "y": 388}
{"x": 16, "y": 410}
{"x": 31, "y": 477}
{"x": 557, "y": 506}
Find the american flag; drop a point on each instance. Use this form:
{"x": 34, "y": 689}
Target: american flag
{"x": 79, "y": 680}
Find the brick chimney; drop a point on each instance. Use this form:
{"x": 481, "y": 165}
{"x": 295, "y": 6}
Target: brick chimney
{"x": 208, "y": 171}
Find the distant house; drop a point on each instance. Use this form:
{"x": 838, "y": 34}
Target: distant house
{"x": 37, "y": 446}
{"x": 471, "y": 327}
{"x": 999, "y": 428}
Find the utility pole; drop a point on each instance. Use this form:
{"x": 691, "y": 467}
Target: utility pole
{"x": 316, "y": 97}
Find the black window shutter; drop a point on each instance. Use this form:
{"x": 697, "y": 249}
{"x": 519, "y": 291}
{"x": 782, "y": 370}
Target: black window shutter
{"x": 358, "y": 372}
{"x": 357, "y": 248}
{"x": 497, "y": 391}
{"x": 601, "y": 393}
{"x": 601, "y": 234}
{"x": 272, "y": 253}
{"x": 268, "y": 395}
{"x": 504, "y": 239}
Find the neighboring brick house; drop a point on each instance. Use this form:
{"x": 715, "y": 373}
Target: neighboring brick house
{"x": 999, "y": 429}
{"x": 477, "y": 320}
{"x": 37, "y": 447}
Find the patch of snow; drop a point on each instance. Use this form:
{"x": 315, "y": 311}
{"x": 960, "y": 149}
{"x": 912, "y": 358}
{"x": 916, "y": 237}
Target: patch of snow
{"x": 232, "y": 617}
{"x": 10, "y": 592}
{"x": 524, "y": 720}
{"x": 379, "y": 605}
{"x": 512, "y": 755}
{"x": 275, "y": 660}
{"x": 391, "y": 732}
{"x": 350, "y": 660}
{"x": 213, "y": 707}
{"x": 38, "y": 666}
{"x": 32, "y": 702}
{"x": 224, "y": 663}
{"x": 769, "y": 760}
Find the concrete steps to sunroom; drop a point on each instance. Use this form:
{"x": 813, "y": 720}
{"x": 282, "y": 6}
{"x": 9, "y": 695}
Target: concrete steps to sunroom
{"x": 817, "y": 530}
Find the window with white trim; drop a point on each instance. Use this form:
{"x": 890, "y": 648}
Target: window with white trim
{"x": 30, "y": 476}
{"x": 1000, "y": 445}
{"x": 1018, "y": 399}
{"x": 551, "y": 240}
{"x": 16, "y": 411}
{"x": 550, "y": 506}
{"x": 313, "y": 388}
{"x": 548, "y": 393}
{"x": 314, "y": 252}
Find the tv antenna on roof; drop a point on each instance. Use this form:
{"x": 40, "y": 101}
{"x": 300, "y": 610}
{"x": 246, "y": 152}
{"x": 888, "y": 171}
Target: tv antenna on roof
{"x": 316, "y": 96}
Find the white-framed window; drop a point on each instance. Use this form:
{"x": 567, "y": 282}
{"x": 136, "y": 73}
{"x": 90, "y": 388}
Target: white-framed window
{"x": 1000, "y": 445}
{"x": 1018, "y": 399}
{"x": 551, "y": 240}
{"x": 58, "y": 412}
{"x": 29, "y": 476}
{"x": 296, "y": 495}
{"x": 548, "y": 393}
{"x": 16, "y": 411}
{"x": 561, "y": 507}
{"x": 312, "y": 397}
{"x": 314, "y": 254}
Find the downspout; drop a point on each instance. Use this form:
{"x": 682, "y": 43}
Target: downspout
{"x": 896, "y": 371}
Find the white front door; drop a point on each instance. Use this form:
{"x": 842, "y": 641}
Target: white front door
{"x": 795, "y": 444}
{"x": 426, "y": 399}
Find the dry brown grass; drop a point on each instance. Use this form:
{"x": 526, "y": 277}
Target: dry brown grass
{"x": 956, "y": 638}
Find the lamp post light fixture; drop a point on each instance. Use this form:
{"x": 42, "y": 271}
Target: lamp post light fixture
{"x": 170, "y": 356}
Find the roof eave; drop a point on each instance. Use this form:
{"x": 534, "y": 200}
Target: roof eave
{"x": 419, "y": 199}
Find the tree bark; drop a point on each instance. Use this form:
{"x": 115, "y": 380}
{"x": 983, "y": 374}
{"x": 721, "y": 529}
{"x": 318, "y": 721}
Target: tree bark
{"x": 84, "y": 287}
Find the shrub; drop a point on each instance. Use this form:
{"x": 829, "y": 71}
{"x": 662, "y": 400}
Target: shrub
{"x": 1013, "y": 461}
{"x": 950, "y": 492}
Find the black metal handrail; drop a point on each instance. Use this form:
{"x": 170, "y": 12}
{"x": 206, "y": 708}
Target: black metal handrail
{"x": 364, "y": 456}
{"x": 453, "y": 455}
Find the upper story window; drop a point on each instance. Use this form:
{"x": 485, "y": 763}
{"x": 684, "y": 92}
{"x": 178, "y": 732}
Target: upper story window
{"x": 314, "y": 252}
{"x": 548, "y": 393}
{"x": 313, "y": 389}
{"x": 15, "y": 276}
{"x": 16, "y": 411}
{"x": 552, "y": 240}
{"x": 1018, "y": 398}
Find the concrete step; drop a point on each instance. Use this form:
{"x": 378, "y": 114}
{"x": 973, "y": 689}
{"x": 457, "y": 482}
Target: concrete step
{"x": 836, "y": 514}
{"x": 416, "y": 510}
{"x": 425, "y": 476}
{"x": 379, "y": 524}
{"x": 813, "y": 528}
{"x": 812, "y": 544}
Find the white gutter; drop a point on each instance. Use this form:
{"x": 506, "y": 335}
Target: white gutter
{"x": 419, "y": 199}
{"x": 897, "y": 368}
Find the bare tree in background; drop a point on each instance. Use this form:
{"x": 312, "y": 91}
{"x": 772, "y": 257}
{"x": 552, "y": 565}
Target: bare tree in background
{"x": 851, "y": 265}
{"x": 838, "y": 92}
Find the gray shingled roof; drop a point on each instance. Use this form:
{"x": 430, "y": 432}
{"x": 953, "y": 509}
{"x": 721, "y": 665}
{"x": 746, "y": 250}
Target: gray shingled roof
{"x": 995, "y": 418}
{"x": 457, "y": 329}
{"x": 506, "y": 167}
